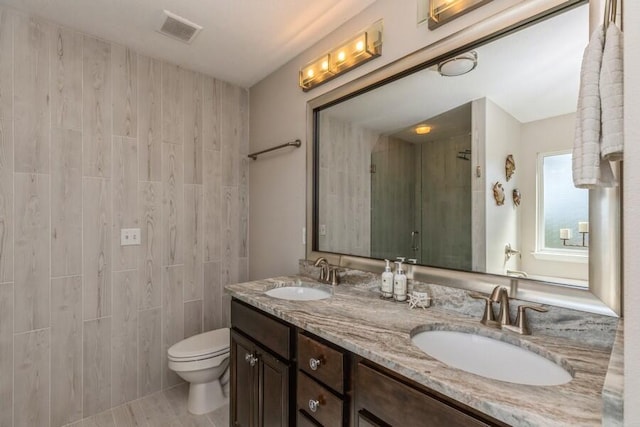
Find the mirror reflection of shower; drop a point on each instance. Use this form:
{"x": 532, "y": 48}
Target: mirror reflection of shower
{"x": 421, "y": 192}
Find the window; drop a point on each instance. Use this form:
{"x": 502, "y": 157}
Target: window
{"x": 563, "y": 210}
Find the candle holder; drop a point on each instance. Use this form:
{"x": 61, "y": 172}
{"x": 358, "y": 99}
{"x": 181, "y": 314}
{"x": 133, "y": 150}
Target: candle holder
{"x": 584, "y": 241}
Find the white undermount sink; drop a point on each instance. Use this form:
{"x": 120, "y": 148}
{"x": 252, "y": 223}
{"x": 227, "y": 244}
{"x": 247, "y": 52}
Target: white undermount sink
{"x": 298, "y": 293}
{"x": 490, "y": 358}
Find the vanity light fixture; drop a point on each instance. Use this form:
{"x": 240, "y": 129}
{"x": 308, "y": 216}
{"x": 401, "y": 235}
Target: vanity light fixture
{"x": 422, "y": 129}
{"x": 356, "y": 51}
{"x": 443, "y": 11}
{"x": 458, "y": 65}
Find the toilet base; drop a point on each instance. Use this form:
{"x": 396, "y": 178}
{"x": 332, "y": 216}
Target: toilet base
{"x": 205, "y": 397}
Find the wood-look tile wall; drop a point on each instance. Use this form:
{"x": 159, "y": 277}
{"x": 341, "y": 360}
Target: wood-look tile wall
{"x": 345, "y": 186}
{"x": 94, "y": 138}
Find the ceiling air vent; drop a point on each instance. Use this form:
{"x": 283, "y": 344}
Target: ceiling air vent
{"x": 178, "y": 27}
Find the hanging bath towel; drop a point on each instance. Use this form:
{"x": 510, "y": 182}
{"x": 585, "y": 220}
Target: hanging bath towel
{"x": 611, "y": 95}
{"x": 589, "y": 170}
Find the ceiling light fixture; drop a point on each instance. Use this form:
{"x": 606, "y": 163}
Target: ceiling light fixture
{"x": 458, "y": 65}
{"x": 423, "y": 129}
{"x": 442, "y": 11}
{"x": 358, "y": 50}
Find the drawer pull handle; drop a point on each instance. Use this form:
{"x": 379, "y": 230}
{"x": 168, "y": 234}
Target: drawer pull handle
{"x": 314, "y": 405}
{"x": 250, "y": 359}
{"x": 314, "y": 363}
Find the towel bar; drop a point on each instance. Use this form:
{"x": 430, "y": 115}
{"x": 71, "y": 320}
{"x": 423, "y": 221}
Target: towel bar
{"x": 297, "y": 143}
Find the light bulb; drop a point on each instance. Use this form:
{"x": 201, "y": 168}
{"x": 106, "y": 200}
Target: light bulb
{"x": 423, "y": 129}
{"x": 341, "y": 56}
{"x": 310, "y": 73}
{"x": 325, "y": 65}
{"x": 360, "y": 46}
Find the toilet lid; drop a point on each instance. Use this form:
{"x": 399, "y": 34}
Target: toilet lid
{"x": 198, "y": 346}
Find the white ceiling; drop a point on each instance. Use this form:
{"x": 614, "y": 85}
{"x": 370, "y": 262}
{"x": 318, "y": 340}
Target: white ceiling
{"x": 242, "y": 42}
{"x": 532, "y": 74}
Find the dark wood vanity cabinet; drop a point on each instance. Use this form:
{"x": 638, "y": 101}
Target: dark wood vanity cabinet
{"x": 323, "y": 386}
{"x": 382, "y": 400}
{"x": 280, "y": 374}
{"x": 261, "y": 376}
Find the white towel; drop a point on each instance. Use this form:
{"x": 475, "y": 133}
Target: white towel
{"x": 589, "y": 171}
{"x": 611, "y": 95}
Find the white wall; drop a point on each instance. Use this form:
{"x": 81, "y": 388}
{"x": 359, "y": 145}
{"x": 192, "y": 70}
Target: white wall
{"x": 551, "y": 134}
{"x": 502, "y": 137}
{"x": 630, "y": 213}
{"x": 278, "y": 114}
{"x": 478, "y": 185}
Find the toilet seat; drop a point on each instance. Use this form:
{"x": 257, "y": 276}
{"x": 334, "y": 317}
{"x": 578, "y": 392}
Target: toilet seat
{"x": 203, "y": 346}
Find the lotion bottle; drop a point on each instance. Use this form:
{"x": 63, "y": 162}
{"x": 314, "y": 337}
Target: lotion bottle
{"x": 387, "y": 281}
{"x": 399, "y": 283}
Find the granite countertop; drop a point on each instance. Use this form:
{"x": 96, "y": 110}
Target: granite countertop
{"x": 356, "y": 319}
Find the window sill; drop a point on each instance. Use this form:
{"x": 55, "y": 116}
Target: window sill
{"x": 579, "y": 258}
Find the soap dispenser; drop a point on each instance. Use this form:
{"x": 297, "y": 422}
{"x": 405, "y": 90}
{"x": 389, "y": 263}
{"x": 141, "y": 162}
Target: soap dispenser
{"x": 399, "y": 283}
{"x": 387, "y": 281}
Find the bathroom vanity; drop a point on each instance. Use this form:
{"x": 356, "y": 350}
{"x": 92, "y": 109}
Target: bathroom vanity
{"x": 349, "y": 360}
{"x": 276, "y": 363}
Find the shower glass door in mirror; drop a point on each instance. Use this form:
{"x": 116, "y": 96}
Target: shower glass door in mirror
{"x": 408, "y": 169}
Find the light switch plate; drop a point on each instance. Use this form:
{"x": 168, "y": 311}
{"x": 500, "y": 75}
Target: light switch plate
{"x": 323, "y": 230}
{"x": 129, "y": 236}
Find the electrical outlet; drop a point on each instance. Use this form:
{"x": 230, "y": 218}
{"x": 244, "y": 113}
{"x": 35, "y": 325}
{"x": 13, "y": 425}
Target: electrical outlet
{"x": 323, "y": 230}
{"x": 129, "y": 236}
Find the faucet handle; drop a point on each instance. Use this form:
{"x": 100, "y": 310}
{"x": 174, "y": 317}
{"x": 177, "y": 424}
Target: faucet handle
{"x": 522, "y": 326}
{"x": 488, "y": 317}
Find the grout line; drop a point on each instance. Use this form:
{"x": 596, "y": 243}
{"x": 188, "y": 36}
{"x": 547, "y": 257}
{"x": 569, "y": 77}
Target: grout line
{"x": 82, "y": 248}
{"x": 49, "y": 87}
{"x": 110, "y": 209}
{"x": 137, "y": 215}
{"x": 162, "y": 242}
{"x": 13, "y": 214}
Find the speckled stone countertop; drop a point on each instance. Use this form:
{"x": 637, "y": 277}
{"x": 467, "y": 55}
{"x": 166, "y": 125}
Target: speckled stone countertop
{"x": 356, "y": 319}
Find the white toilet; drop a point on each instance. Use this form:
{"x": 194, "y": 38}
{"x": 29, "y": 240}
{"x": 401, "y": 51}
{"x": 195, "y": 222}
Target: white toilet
{"x": 202, "y": 360}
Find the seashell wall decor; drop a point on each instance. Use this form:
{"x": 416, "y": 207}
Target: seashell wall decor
{"x": 517, "y": 197}
{"x": 509, "y": 167}
{"x": 498, "y": 193}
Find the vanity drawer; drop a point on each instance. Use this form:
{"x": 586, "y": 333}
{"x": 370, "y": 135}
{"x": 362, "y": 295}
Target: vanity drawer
{"x": 303, "y": 420}
{"x": 268, "y": 331}
{"x": 397, "y": 404}
{"x": 330, "y": 408}
{"x": 329, "y": 370}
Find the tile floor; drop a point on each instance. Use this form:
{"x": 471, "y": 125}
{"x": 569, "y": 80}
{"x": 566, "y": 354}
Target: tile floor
{"x": 164, "y": 408}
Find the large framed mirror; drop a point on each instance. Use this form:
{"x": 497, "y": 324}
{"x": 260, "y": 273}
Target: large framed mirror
{"x": 469, "y": 175}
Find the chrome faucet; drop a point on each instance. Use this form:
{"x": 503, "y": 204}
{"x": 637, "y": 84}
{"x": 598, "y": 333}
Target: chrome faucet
{"x": 328, "y": 273}
{"x": 498, "y": 295}
{"x": 509, "y": 252}
{"x": 501, "y": 295}
{"x": 521, "y": 325}
{"x": 324, "y": 268}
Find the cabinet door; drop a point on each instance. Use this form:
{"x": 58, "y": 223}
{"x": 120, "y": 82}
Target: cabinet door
{"x": 244, "y": 387}
{"x": 274, "y": 392}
